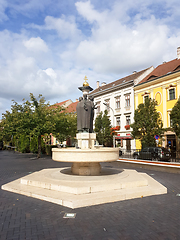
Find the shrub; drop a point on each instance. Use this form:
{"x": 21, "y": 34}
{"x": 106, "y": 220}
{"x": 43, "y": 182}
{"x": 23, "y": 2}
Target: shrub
{"x": 49, "y": 149}
{"x": 34, "y": 144}
{"x": 23, "y": 144}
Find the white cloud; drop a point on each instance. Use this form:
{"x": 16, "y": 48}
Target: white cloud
{"x": 51, "y": 73}
{"x": 66, "y": 28}
{"x": 86, "y": 9}
{"x": 103, "y": 43}
{"x": 36, "y": 44}
{"x": 116, "y": 47}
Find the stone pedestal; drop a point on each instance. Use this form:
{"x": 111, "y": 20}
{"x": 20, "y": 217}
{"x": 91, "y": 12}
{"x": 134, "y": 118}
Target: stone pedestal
{"x": 86, "y": 169}
{"x": 59, "y": 186}
{"x": 86, "y": 140}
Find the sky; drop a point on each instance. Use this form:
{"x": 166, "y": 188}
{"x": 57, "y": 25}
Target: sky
{"x": 48, "y": 46}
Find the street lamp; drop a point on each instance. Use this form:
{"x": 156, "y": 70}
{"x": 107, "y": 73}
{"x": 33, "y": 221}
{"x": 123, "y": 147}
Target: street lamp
{"x": 107, "y": 105}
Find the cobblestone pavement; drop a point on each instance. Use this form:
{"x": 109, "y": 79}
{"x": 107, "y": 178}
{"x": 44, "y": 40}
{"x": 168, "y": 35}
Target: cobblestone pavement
{"x": 25, "y": 218}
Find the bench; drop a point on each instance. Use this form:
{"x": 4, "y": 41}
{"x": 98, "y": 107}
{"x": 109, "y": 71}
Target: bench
{"x": 10, "y": 147}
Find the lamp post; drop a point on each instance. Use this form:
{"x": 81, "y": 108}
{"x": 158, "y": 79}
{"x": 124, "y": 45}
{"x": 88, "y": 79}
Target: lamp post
{"x": 113, "y": 121}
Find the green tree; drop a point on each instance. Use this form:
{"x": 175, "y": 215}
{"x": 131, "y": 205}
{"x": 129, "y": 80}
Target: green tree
{"x": 175, "y": 118}
{"x": 147, "y": 123}
{"x": 103, "y": 129}
{"x": 65, "y": 126}
{"x": 33, "y": 118}
{"x": 15, "y": 123}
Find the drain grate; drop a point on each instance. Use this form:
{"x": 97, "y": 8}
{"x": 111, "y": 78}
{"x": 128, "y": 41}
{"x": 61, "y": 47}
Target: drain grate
{"x": 69, "y": 215}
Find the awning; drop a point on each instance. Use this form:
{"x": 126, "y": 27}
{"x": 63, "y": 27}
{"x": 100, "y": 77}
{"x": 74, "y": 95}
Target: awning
{"x": 123, "y": 137}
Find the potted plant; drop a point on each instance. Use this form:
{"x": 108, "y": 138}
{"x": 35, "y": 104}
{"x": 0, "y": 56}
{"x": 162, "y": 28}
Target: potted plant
{"x": 114, "y": 129}
{"x": 127, "y": 127}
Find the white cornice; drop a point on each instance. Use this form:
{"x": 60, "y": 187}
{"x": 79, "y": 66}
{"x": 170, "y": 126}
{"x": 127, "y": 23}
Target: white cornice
{"x": 113, "y": 88}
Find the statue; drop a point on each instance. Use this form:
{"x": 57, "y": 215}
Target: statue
{"x": 79, "y": 109}
{"x": 92, "y": 113}
{"x": 85, "y": 110}
{"x": 85, "y": 114}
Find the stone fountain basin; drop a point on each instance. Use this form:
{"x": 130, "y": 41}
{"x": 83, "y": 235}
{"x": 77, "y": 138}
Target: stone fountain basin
{"x": 104, "y": 154}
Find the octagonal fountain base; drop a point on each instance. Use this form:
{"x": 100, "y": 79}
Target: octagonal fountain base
{"x": 60, "y": 186}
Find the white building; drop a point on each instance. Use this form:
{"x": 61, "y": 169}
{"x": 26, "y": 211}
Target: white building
{"x": 118, "y": 98}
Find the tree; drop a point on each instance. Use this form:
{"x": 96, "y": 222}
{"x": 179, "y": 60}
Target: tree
{"x": 33, "y": 118}
{"x": 103, "y": 129}
{"x": 65, "y": 126}
{"x": 175, "y": 118}
{"x": 15, "y": 123}
{"x": 147, "y": 123}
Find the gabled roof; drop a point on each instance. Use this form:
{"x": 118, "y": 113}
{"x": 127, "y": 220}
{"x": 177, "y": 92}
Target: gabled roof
{"x": 68, "y": 106}
{"x": 64, "y": 103}
{"x": 163, "y": 69}
{"x": 72, "y": 107}
{"x": 122, "y": 81}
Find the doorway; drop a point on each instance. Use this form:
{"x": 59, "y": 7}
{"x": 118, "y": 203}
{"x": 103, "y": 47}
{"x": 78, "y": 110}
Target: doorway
{"x": 171, "y": 144}
{"x": 128, "y": 144}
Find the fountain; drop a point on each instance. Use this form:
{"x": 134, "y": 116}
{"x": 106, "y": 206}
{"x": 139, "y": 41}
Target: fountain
{"x": 85, "y": 183}
{"x": 87, "y": 157}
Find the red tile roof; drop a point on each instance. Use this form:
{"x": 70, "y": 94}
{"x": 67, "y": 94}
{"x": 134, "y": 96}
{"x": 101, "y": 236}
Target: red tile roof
{"x": 126, "y": 79}
{"x": 163, "y": 69}
{"x": 72, "y": 107}
{"x": 61, "y": 103}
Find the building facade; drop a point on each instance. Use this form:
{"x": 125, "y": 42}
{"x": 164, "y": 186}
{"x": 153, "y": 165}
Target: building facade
{"x": 163, "y": 85}
{"x": 118, "y": 99}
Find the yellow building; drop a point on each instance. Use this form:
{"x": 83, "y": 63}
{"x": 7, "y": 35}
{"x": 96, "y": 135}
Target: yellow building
{"x": 163, "y": 85}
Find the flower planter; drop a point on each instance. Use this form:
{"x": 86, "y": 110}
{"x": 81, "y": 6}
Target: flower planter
{"x": 127, "y": 127}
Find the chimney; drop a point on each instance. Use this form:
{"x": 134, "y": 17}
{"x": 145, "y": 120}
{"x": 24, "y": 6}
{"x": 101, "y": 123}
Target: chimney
{"x": 97, "y": 84}
{"x": 178, "y": 53}
{"x": 77, "y": 100}
{"x": 103, "y": 84}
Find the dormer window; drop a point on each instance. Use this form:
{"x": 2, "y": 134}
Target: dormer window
{"x": 151, "y": 77}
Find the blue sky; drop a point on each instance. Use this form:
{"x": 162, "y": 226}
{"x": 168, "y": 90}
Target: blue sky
{"x": 48, "y": 46}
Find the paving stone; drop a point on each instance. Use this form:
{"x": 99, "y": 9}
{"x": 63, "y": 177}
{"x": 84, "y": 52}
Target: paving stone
{"x": 21, "y": 217}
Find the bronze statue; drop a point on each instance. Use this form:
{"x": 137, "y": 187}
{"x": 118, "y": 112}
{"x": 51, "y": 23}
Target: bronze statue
{"x": 79, "y": 110}
{"x": 85, "y": 109}
{"x": 85, "y": 114}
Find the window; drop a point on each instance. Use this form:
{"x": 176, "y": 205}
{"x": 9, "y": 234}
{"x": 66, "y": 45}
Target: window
{"x": 169, "y": 119}
{"x": 146, "y": 97}
{"x": 107, "y": 104}
{"x": 128, "y": 120}
{"x": 98, "y": 107}
{"x": 171, "y": 122}
{"x": 127, "y": 100}
{"x": 118, "y": 121}
{"x": 172, "y": 94}
{"x": 117, "y": 102}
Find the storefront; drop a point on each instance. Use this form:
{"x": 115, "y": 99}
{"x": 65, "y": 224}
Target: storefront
{"x": 124, "y": 141}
